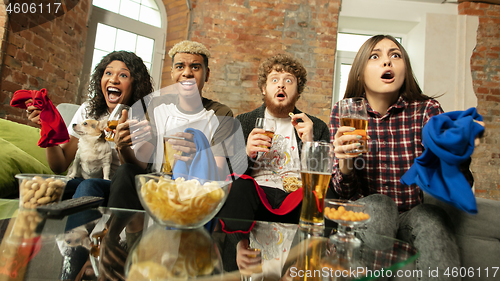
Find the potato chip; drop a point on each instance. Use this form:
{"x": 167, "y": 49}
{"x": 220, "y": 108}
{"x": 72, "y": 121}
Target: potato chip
{"x": 180, "y": 201}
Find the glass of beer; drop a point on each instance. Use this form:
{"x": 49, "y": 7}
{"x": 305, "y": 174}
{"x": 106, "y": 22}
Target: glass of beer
{"x": 173, "y": 125}
{"x": 113, "y": 120}
{"x": 316, "y": 165}
{"x": 253, "y": 272}
{"x": 269, "y": 125}
{"x": 352, "y": 113}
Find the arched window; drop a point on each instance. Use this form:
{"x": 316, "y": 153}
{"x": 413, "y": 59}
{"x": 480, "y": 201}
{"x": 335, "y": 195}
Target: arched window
{"x": 138, "y": 26}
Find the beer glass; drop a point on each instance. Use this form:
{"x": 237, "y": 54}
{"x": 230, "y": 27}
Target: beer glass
{"x": 173, "y": 125}
{"x": 253, "y": 273}
{"x": 352, "y": 113}
{"x": 316, "y": 165}
{"x": 269, "y": 125}
{"x": 113, "y": 120}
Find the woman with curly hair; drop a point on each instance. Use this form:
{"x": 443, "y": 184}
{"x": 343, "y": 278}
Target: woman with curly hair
{"x": 120, "y": 77}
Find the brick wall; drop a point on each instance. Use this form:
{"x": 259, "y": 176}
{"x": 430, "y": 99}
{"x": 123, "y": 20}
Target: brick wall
{"x": 178, "y": 18}
{"x": 485, "y": 65}
{"x": 47, "y": 55}
{"x": 241, "y": 33}
{"x": 3, "y": 28}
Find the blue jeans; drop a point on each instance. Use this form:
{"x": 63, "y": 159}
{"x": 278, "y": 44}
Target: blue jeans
{"x": 89, "y": 187}
{"x": 426, "y": 227}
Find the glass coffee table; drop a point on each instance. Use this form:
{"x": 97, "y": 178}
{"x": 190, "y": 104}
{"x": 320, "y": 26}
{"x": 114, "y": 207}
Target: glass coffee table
{"x": 115, "y": 243}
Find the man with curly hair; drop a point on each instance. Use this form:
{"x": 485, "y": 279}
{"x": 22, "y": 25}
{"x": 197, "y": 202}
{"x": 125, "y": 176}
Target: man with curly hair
{"x": 260, "y": 193}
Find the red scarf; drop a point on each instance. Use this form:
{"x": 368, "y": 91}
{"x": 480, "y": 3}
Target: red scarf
{"x": 53, "y": 130}
{"x": 290, "y": 203}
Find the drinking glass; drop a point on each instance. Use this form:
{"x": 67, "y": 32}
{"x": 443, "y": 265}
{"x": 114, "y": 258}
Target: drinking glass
{"x": 269, "y": 125}
{"x": 352, "y": 113}
{"x": 253, "y": 273}
{"x": 113, "y": 120}
{"x": 316, "y": 165}
{"x": 173, "y": 125}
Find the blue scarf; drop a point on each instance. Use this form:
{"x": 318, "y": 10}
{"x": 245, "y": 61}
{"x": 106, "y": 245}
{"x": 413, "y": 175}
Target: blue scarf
{"x": 203, "y": 166}
{"x": 448, "y": 139}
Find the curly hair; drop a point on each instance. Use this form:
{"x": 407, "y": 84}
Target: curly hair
{"x": 142, "y": 84}
{"x": 280, "y": 63}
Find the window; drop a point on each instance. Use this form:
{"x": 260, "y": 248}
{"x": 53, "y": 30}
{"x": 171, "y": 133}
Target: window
{"x": 110, "y": 39}
{"x": 138, "y": 26}
{"x": 145, "y": 11}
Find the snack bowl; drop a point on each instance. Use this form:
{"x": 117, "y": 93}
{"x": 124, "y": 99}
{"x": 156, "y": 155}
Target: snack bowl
{"x": 181, "y": 203}
{"x": 40, "y": 189}
{"x": 346, "y": 212}
{"x": 189, "y": 254}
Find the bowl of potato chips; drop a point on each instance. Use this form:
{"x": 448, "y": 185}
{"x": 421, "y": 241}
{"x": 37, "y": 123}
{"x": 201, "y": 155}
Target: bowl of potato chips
{"x": 181, "y": 203}
{"x": 189, "y": 254}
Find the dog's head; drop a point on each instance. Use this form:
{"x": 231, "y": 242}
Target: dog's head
{"x": 90, "y": 127}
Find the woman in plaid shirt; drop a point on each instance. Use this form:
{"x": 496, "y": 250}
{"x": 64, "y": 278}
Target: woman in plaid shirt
{"x": 397, "y": 111}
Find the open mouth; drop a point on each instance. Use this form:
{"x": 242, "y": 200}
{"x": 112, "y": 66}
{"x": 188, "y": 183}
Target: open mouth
{"x": 280, "y": 95}
{"x": 388, "y": 75}
{"x": 114, "y": 94}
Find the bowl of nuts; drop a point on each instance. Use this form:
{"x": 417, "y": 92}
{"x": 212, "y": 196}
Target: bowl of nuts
{"x": 181, "y": 203}
{"x": 40, "y": 189}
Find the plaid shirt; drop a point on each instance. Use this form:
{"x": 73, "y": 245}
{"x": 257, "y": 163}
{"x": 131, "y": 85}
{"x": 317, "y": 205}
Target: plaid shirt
{"x": 396, "y": 140}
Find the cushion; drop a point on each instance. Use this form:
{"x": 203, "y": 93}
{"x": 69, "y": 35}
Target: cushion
{"x": 14, "y": 161}
{"x": 24, "y": 137}
{"x": 478, "y": 225}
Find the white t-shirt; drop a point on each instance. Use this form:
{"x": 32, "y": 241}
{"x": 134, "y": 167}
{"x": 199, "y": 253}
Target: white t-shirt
{"x": 275, "y": 242}
{"x": 282, "y": 158}
{"x": 204, "y": 120}
{"x": 80, "y": 115}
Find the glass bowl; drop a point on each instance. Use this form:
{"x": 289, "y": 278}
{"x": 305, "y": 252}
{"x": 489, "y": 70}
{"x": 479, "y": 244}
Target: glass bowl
{"x": 189, "y": 254}
{"x": 347, "y": 214}
{"x": 180, "y": 203}
{"x": 40, "y": 189}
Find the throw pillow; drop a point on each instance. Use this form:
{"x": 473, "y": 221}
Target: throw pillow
{"x": 14, "y": 161}
{"x": 24, "y": 137}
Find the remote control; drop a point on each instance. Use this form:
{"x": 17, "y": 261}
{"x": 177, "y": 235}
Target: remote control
{"x": 70, "y": 206}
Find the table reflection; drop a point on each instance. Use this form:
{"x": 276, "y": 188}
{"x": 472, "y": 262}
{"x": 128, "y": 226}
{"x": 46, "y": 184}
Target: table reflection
{"x": 110, "y": 244}
{"x": 173, "y": 254}
{"x": 324, "y": 258}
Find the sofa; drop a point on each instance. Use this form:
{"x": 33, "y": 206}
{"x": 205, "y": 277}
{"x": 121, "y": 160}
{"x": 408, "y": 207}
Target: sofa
{"x": 19, "y": 152}
{"x": 478, "y": 236}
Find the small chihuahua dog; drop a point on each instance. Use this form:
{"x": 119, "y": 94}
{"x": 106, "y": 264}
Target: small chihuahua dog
{"x": 93, "y": 157}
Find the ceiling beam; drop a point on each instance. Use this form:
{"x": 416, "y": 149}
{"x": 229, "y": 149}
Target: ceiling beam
{"x": 496, "y": 2}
